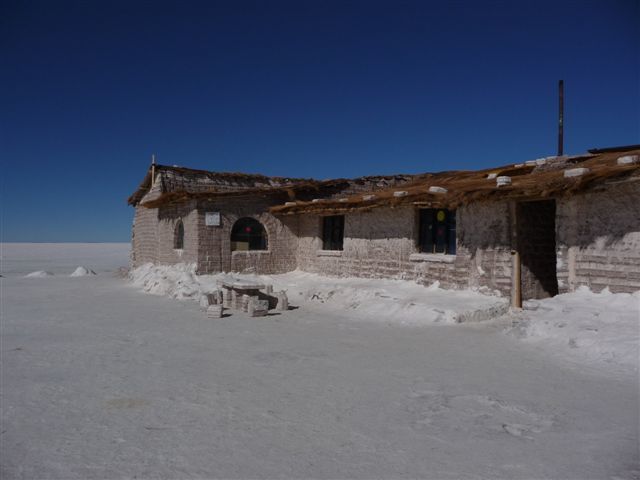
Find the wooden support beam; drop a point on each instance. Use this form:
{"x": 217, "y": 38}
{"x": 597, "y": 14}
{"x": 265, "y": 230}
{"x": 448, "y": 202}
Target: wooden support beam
{"x": 516, "y": 270}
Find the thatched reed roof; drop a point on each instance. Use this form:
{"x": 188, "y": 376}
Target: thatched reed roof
{"x": 536, "y": 179}
{"x": 183, "y": 180}
{"x": 179, "y": 184}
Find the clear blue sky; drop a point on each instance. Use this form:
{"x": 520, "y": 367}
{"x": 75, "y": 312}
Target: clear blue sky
{"x": 89, "y": 89}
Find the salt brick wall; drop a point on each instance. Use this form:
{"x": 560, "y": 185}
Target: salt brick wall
{"x": 215, "y": 242}
{"x": 376, "y": 244}
{"x": 168, "y": 218}
{"x": 484, "y": 248}
{"x": 144, "y": 236}
{"x": 379, "y": 243}
{"x": 598, "y": 239}
{"x": 154, "y": 229}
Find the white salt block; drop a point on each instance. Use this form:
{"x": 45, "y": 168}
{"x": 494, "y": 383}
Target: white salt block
{"x": 289, "y": 204}
{"x": 236, "y": 300}
{"x": 435, "y": 189}
{"x": 401, "y": 193}
{"x": 491, "y": 176}
{"x": 258, "y": 308}
{"x": 214, "y": 311}
{"x": 503, "y": 181}
{"x": 245, "y": 303}
{"x": 283, "y": 301}
{"x": 315, "y": 200}
{"x": 226, "y": 298}
{"x": 343, "y": 200}
{"x": 628, "y": 159}
{"x": 575, "y": 172}
{"x": 204, "y": 301}
{"x": 366, "y": 198}
{"x": 518, "y": 165}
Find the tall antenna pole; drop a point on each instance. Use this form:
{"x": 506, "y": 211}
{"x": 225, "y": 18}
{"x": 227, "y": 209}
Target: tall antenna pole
{"x": 153, "y": 169}
{"x": 560, "y": 116}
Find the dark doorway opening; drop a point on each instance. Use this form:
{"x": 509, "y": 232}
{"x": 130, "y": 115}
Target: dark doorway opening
{"x": 536, "y": 229}
{"x": 248, "y": 234}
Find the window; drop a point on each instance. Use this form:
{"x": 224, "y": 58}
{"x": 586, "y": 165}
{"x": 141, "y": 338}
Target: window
{"x": 248, "y": 234}
{"x": 178, "y": 236}
{"x": 437, "y": 231}
{"x": 332, "y": 232}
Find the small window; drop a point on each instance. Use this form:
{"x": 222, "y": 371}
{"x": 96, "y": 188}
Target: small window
{"x": 248, "y": 234}
{"x": 178, "y": 236}
{"x": 332, "y": 232}
{"x": 437, "y": 231}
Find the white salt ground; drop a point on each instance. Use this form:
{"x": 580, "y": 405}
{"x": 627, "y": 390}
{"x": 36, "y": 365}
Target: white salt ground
{"x": 595, "y": 329}
{"x": 599, "y": 330}
{"x": 379, "y": 300}
{"x": 99, "y": 381}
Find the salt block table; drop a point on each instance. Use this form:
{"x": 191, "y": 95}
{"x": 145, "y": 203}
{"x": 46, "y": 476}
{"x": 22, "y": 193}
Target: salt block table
{"x": 243, "y": 287}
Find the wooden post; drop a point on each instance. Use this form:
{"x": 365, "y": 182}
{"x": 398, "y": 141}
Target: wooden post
{"x": 516, "y": 271}
{"x": 516, "y": 294}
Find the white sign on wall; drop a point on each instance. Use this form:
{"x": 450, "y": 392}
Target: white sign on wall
{"x": 212, "y": 219}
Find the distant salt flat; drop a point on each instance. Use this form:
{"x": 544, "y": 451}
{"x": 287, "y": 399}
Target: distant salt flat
{"x": 20, "y": 259}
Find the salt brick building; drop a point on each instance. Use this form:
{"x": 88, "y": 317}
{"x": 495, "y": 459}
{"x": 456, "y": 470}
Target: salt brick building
{"x": 547, "y": 225}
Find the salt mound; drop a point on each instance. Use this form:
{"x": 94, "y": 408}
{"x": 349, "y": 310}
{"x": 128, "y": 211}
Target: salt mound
{"x": 82, "y": 272}
{"x": 178, "y": 281}
{"x": 39, "y": 274}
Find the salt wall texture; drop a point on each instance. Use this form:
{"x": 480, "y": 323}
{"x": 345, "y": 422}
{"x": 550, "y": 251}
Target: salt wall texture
{"x": 144, "y": 234}
{"x": 215, "y": 242}
{"x": 382, "y": 243}
{"x": 210, "y": 246}
{"x": 154, "y": 232}
{"x": 598, "y": 239}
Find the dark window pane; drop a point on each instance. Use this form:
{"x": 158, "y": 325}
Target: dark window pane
{"x": 440, "y": 227}
{"x": 426, "y": 230}
{"x": 437, "y": 230}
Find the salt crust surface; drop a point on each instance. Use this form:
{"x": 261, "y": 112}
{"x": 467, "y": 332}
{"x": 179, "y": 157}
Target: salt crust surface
{"x": 596, "y": 329}
{"x": 395, "y": 301}
{"x": 101, "y": 381}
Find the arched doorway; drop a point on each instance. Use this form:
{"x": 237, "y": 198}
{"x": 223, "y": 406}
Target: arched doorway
{"x": 248, "y": 234}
